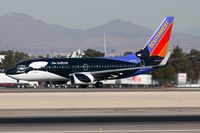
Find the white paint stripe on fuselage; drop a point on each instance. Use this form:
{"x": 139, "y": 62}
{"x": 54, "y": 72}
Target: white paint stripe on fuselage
{"x": 36, "y": 75}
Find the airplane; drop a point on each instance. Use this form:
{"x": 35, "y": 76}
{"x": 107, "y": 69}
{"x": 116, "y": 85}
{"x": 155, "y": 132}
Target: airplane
{"x": 86, "y": 71}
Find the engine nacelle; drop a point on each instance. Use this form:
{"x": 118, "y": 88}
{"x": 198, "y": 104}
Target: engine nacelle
{"x": 81, "y": 78}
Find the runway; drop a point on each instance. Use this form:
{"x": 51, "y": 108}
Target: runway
{"x": 71, "y": 100}
{"x": 181, "y": 127}
{"x": 66, "y": 104}
{"x": 100, "y": 112}
{"x": 126, "y": 89}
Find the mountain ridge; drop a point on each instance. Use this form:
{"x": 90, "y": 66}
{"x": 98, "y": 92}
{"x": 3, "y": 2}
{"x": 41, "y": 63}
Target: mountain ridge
{"x": 22, "y": 32}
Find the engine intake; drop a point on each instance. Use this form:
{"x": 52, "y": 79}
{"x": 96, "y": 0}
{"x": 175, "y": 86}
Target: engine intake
{"x": 82, "y": 78}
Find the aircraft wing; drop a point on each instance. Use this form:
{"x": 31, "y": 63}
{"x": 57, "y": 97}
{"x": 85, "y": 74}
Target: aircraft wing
{"x": 119, "y": 70}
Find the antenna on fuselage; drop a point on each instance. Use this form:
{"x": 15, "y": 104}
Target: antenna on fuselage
{"x": 104, "y": 38}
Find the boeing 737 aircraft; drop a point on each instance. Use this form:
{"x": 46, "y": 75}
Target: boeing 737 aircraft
{"x": 85, "y": 71}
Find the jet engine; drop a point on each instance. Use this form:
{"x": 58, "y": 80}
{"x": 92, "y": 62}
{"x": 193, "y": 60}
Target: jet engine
{"x": 81, "y": 78}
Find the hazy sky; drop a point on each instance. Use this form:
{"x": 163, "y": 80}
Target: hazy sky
{"x": 89, "y": 13}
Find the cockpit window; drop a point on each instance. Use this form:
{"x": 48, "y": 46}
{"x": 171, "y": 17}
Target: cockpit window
{"x": 21, "y": 67}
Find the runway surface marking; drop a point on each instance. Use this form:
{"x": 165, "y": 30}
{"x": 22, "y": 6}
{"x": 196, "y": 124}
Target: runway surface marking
{"x": 113, "y": 131}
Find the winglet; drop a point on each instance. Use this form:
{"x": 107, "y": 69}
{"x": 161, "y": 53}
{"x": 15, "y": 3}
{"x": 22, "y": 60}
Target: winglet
{"x": 165, "y": 60}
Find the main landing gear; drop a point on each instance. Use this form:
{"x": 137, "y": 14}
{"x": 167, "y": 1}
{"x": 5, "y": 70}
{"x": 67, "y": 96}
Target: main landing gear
{"x": 98, "y": 84}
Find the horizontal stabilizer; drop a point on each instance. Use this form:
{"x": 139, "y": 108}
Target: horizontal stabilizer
{"x": 165, "y": 60}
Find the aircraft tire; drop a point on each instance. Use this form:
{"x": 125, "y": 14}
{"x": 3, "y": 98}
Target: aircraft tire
{"x": 99, "y": 85}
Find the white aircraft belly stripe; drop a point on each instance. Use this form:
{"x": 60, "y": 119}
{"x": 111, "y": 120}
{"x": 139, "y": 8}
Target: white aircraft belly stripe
{"x": 37, "y": 75}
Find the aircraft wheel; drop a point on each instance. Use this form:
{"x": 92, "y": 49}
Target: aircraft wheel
{"x": 34, "y": 86}
{"x": 65, "y": 86}
{"x": 99, "y": 85}
{"x": 53, "y": 86}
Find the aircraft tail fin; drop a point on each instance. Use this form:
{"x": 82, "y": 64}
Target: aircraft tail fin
{"x": 158, "y": 43}
{"x": 156, "y": 48}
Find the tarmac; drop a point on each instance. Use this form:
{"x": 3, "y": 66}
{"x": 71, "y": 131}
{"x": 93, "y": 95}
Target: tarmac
{"x": 85, "y": 100}
{"x": 91, "y": 111}
{"x": 173, "y": 127}
{"x": 99, "y": 104}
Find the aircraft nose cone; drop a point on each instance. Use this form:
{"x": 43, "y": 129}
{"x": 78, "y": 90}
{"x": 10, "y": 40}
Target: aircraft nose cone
{"x": 13, "y": 73}
{"x": 10, "y": 71}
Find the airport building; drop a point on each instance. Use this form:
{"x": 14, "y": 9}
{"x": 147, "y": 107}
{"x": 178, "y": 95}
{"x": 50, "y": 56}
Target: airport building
{"x": 181, "y": 80}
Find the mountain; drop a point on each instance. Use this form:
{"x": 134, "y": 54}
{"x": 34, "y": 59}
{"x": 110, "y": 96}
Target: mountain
{"x": 192, "y": 31}
{"x": 121, "y": 29}
{"x": 24, "y": 33}
{"x": 186, "y": 41}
